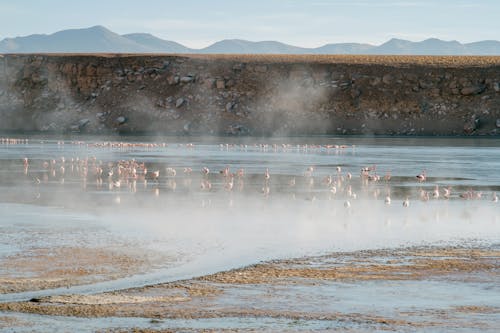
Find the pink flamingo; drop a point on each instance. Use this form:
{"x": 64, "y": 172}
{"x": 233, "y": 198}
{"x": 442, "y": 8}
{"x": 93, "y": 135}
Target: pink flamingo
{"x": 421, "y": 177}
{"x": 224, "y": 172}
{"x": 387, "y": 176}
{"x": 155, "y": 175}
{"x": 447, "y": 192}
{"x": 309, "y": 171}
{"x": 240, "y": 173}
{"x": 267, "y": 175}
{"x": 170, "y": 172}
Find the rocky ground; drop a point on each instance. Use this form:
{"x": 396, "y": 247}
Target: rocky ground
{"x": 250, "y": 95}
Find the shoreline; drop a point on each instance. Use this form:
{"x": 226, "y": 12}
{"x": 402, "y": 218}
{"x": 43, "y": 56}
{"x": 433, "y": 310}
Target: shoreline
{"x": 257, "y": 290}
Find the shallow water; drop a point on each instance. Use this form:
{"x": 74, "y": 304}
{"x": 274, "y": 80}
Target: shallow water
{"x": 202, "y": 232}
{"x": 244, "y": 226}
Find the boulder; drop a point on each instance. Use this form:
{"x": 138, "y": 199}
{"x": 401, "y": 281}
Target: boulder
{"x": 220, "y": 84}
{"x": 472, "y": 90}
{"x": 387, "y": 78}
{"x": 173, "y": 80}
{"x": 74, "y": 128}
{"x": 121, "y": 120}
{"x": 425, "y": 84}
{"x": 471, "y": 125}
{"x": 261, "y": 68}
{"x": 229, "y": 106}
{"x": 83, "y": 122}
{"x": 186, "y": 79}
{"x": 179, "y": 102}
{"x": 376, "y": 81}
{"x": 237, "y": 129}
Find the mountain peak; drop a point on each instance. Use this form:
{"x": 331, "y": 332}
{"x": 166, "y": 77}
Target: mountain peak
{"x": 97, "y": 28}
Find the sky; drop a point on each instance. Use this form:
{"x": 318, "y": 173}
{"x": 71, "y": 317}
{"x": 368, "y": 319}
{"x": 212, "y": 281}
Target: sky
{"x": 307, "y": 23}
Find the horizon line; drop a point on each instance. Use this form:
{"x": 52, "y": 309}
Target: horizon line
{"x": 252, "y": 41}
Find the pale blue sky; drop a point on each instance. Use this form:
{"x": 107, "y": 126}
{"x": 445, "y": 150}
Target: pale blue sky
{"x": 308, "y": 23}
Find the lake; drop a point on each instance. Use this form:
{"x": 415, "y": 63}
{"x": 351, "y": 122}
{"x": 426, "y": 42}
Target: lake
{"x": 86, "y": 215}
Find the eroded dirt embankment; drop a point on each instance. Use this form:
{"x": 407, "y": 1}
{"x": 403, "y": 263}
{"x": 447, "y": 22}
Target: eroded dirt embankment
{"x": 251, "y": 95}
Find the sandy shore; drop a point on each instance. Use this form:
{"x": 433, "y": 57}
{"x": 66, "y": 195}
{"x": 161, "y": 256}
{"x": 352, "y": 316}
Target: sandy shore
{"x": 312, "y": 289}
{"x": 47, "y": 268}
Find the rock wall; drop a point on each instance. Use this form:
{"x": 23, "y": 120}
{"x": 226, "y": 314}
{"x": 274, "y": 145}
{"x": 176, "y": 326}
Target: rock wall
{"x": 250, "y": 95}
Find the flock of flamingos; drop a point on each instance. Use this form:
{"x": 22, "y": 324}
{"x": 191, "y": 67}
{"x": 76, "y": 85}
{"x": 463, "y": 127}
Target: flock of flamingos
{"x": 127, "y": 174}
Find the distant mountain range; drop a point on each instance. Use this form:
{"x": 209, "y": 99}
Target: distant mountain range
{"x": 98, "y": 39}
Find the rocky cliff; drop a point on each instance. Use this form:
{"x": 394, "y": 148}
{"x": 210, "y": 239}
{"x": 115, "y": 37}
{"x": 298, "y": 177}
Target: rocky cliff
{"x": 250, "y": 95}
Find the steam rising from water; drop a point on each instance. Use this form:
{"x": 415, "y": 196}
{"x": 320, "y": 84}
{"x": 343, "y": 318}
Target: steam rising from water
{"x": 212, "y": 230}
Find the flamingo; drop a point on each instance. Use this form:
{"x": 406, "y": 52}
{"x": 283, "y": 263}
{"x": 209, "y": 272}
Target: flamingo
{"x": 240, "y": 173}
{"x": 406, "y": 202}
{"x": 155, "y": 175}
{"x": 421, "y": 177}
{"x": 267, "y": 175}
{"x": 170, "y": 172}
{"x": 387, "y": 176}
{"x": 229, "y": 185}
{"x": 446, "y": 192}
{"x": 224, "y": 172}
{"x": 333, "y": 189}
{"x": 309, "y": 171}
{"x": 466, "y": 195}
